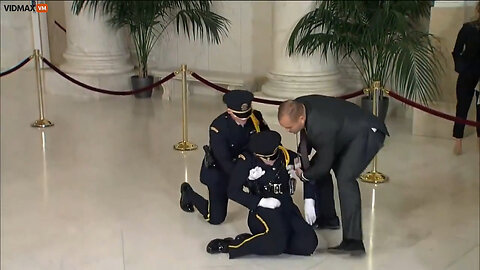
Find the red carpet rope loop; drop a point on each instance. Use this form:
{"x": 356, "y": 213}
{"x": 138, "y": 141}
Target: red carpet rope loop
{"x": 105, "y": 91}
{"x": 18, "y": 66}
{"x": 261, "y": 100}
{"x": 432, "y": 111}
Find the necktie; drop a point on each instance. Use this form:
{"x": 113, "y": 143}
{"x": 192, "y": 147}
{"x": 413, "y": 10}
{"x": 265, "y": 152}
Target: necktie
{"x": 303, "y": 150}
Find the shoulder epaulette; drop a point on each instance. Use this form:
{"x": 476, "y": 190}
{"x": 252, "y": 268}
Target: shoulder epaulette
{"x": 214, "y": 129}
{"x": 241, "y": 156}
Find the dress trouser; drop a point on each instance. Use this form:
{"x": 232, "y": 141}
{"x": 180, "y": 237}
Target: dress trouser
{"x": 466, "y": 83}
{"x": 324, "y": 202}
{"x": 213, "y": 210}
{"x": 276, "y": 231}
{"x": 347, "y": 167}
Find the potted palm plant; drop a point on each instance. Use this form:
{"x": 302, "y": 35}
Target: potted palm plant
{"x": 148, "y": 20}
{"x": 381, "y": 38}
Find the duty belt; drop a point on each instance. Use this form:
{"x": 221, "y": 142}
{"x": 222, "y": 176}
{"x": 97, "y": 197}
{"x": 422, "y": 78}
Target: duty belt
{"x": 277, "y": 188}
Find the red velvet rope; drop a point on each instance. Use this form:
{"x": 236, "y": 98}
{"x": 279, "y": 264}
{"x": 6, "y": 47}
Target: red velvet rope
{"x": 261, "y": 100}
{"x": 15, "y": 68}
{"x": 61, "y": 27}
{"x": 104, "y": 91}
{"x": 352, "y": 95}
{"x": 434, "y": 112}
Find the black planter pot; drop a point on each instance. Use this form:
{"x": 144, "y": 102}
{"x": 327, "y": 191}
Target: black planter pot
{"x": 367, "y": 104}
{"x": 139, "y": 83}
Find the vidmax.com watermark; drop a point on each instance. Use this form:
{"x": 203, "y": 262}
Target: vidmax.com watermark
{"x": 33, "y": 7}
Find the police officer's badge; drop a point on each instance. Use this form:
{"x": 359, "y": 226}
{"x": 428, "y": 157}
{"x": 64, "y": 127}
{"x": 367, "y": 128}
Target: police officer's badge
{"x": 244, "y": 107}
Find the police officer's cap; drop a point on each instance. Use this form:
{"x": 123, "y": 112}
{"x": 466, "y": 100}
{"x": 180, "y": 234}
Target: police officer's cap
{"x": 240, "y": 102}
{"x": 265, "y": 143}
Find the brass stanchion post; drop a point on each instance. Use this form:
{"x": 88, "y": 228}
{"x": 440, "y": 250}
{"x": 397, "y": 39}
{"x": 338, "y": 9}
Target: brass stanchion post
{"x": 42, "y": 122}
{"x": 184, "y": 145}
{"x": 374, "y": 176}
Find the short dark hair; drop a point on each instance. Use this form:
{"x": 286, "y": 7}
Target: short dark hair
{"x": 292, "y": 108}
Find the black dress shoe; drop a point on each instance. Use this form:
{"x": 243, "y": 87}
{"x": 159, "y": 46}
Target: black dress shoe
{"x": 241, "y": 237}
{"x": 327, "y": 223}
{"x": 349, "y": 246}
{"x": 219, "y": 245}
{"x": 184, "y": 203}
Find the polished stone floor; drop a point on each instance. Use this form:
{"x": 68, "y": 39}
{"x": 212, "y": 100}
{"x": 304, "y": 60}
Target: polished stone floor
{"x": 100, "y": 190}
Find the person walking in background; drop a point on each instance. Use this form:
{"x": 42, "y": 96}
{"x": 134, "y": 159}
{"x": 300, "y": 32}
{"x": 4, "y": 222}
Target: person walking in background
{"x": 466, "y": 55}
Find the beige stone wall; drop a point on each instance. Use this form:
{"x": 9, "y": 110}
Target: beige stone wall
{"x": 56, "y": 36}
{"x": 16, "y": 41}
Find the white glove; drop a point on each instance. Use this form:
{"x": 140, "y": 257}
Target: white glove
{"x": 297, "y": 163}
{"x": 310, "y": 215}
{"x": 271, "y": 203}
{"x": 255, "y": 173}
{"x": 291, "y": 172}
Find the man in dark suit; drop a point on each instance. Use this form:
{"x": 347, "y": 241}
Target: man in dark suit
{"x": 345, "y": 138}
{"x": 229, "y": 135}
{"x": 466, "y": 56}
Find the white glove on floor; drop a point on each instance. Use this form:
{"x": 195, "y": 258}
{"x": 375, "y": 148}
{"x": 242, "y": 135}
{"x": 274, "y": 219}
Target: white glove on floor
{"x": 310, "y": 215}
{"x": 271, "y": 203}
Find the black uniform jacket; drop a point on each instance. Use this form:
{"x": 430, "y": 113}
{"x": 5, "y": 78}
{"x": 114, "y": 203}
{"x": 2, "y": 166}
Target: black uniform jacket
{"x": 227, "y": 141}
{"x": 249, "y": 192}
{"x": 466, "y": 53}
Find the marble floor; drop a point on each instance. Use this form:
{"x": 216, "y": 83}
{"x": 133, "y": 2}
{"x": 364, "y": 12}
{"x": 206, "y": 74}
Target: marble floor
{"x": 100, "y": 190}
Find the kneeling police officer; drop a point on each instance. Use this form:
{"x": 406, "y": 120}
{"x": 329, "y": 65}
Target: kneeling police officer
{"x": 229, "y": 135}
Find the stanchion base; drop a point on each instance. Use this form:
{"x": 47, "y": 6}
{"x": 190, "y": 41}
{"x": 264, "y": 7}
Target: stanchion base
{"x": 185, "y": 146}
{"x": 373, "y": 177}
{"x": 42, "y": 123}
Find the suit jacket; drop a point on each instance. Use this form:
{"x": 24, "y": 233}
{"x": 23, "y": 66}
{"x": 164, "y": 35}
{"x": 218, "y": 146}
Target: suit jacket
{"x": 331, "y": 124}
{"x": 466, "y": 53}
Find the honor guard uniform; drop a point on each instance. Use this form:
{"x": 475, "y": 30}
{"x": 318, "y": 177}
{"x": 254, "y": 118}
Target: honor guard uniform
{"x": 229, "y": 135}
{"x": 262, "y": 182}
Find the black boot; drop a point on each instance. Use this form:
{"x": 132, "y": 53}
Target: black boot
{"x": 332, "y": 223}
{"x": 219, "y": 245}
{"x": 184, "y": 203}
{"x": 349, "y": 246}
{"x": 241, "y": 237}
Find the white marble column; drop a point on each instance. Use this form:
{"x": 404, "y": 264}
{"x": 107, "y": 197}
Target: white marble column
{"x": 95, "y": 54}
{"x": 93, "y": 46}
{"x": 294, "y": 76}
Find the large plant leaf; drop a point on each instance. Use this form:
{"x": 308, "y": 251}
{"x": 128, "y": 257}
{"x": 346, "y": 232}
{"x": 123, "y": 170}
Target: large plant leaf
{"x": 382, "y": 39}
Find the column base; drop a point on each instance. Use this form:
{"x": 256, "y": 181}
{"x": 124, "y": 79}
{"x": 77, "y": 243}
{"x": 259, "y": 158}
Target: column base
{"x": 293, "y": 86}
{"x": 96, "y": 64}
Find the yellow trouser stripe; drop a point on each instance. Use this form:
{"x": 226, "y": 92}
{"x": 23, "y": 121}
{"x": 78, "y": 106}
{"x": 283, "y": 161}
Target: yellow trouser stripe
{"x": 256, "y": 123}
{"x": 208, "y": 213}
{"x": 256, "y": 235}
